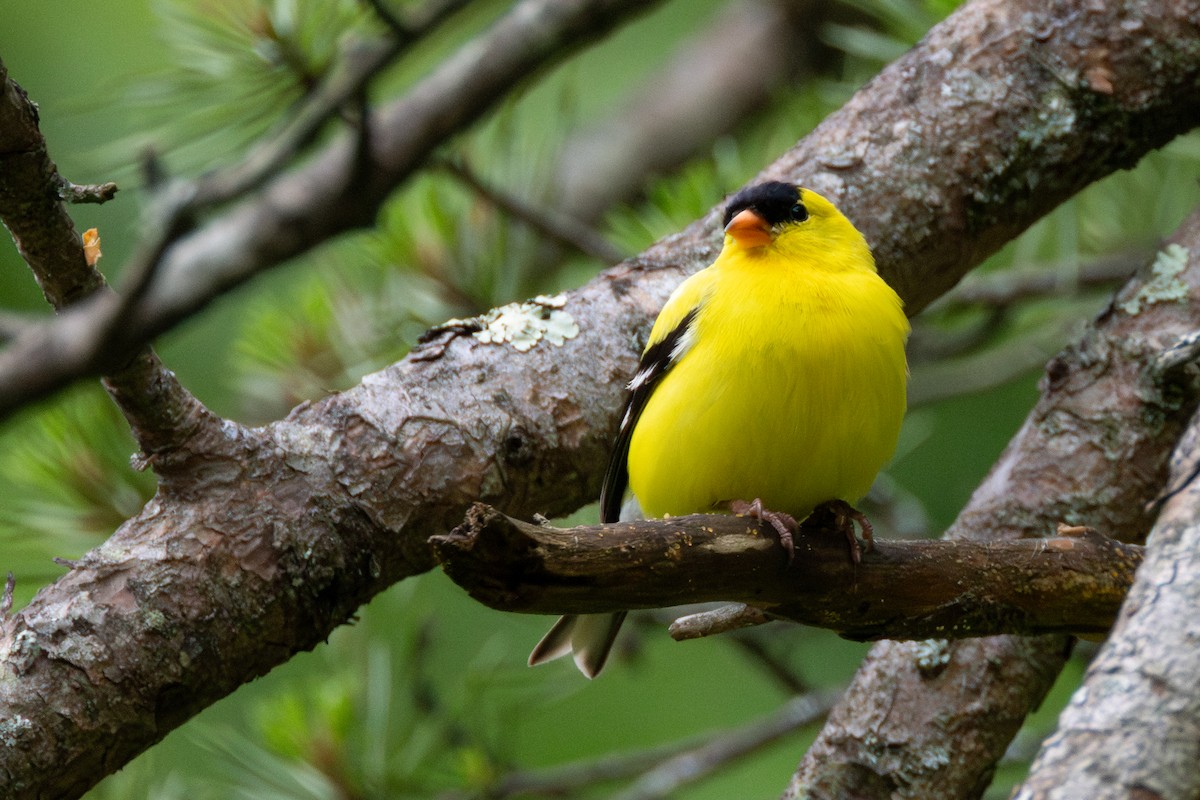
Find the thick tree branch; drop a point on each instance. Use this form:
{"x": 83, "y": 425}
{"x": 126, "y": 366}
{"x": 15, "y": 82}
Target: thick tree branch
{"x": 1133, "y": 727}
{"x": 193, "y": 596}
{"x": 1093, "y": 452}
{"x": 902, "y": 590}
{"x": 161, "y": 413}
{"x": 327, "y": 196}
{"x": 1002, "y": 112}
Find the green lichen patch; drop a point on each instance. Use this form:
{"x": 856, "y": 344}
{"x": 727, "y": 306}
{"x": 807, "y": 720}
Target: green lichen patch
{"x": 525, "y": 324}
{"x": 1164, "y": 284}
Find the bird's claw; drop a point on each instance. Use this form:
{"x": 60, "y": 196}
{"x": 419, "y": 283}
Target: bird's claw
{"x": 784, "y": 524}
{"x": 844, "y": 517}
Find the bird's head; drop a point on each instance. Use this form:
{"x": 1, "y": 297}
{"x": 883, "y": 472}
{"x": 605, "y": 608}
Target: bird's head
{"x": 785, "y": 218}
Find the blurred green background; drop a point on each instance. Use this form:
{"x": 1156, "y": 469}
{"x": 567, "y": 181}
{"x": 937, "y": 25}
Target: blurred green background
{"x": 427, "y": 694}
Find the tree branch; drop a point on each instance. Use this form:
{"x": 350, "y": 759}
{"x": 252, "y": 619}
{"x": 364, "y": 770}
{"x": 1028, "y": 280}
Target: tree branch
{"x": 750, "y": 52}
{"x": 1093, "y": 452}
{"x": 297, "y": 211}
{"x": 193, "y": 596}
{"x": 1131, "y": 728}
{"x": 902, "y": 590}
{"x": 989, "y": 123}
{"x": 162, "y": 414}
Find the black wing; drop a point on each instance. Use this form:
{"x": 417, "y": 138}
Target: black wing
{"x": 656, "y": 362}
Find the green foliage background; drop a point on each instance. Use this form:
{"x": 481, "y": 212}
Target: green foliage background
{"x": 427, "y": 695}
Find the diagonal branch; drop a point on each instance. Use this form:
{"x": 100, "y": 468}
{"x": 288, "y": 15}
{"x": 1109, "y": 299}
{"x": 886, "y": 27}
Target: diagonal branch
{"x": 994, "y": 119}
{"x": 162, "y": 414}
{"x": 1131, "y": 728}
{"x": 1093, "y": 452}
{"x": 299, "y": 210}
{"x": 193, "y": 596}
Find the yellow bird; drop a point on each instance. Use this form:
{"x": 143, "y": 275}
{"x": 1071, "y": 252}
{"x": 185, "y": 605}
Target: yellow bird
{"x": 773, "y": 382}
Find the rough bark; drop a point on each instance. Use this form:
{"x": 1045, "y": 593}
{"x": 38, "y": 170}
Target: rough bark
{"x": 196, "y": 595}
{"x": 997, "y": 116}
{"x": 1093, "y": 452}
{"x": 341, "y": 188}
{"x": 1073, "y": 583}
{"x": 30, "y": 204}
{"x": 1132, "y": 729}
{"x": 161, "y": 413}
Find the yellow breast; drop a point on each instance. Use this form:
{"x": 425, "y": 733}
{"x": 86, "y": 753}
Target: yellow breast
{"x": 792, "y": 388}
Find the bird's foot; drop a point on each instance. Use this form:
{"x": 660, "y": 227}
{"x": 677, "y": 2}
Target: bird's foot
{"x": 784, "y": 524}
{"x": 844, "y": 516}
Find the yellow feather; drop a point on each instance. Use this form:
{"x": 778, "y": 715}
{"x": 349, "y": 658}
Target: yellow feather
{"x": 788, "y": 386}
{"x": 792, "y": 386}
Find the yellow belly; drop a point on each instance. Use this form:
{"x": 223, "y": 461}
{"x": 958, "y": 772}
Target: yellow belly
{"x": 796, "y": 401}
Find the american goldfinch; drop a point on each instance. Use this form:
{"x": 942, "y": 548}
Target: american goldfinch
{"x": 773, "y": 382}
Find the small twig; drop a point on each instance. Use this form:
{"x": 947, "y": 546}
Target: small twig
{"x": 418, "y": 23}
{"x": 174, "y": 220}
{"x": 774, "y": 666}
{"x": 561, "y": 229}
{"x": 1007, "y": 288}
{"x": 986, "y": 369}
{"x": 694, "y": 765}
{"x": 931, "y": 342}
{"x": 6, "y": 601}
{"x": 732, "y": 617}
{"x": 399, "y": 29}
{"x": 86, "y": 192}
{"x": 570, "y": 779}
{"x": 998, "y": 294}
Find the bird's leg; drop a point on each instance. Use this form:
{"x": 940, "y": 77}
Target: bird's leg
{"x": 844, "y": 517}
{"x": 784, "y": 524}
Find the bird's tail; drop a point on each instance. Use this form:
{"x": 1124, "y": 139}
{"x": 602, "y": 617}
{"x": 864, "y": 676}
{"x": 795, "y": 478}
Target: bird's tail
{"x": 589, "y": 637}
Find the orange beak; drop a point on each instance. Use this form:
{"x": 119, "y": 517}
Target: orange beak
{"x": 749, "y": 229}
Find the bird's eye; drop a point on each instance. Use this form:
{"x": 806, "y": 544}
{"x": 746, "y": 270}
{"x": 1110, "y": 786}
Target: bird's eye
{"x": 799, "y": 212}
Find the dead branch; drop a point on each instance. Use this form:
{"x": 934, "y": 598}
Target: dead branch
{"x": 902, "y": 590}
